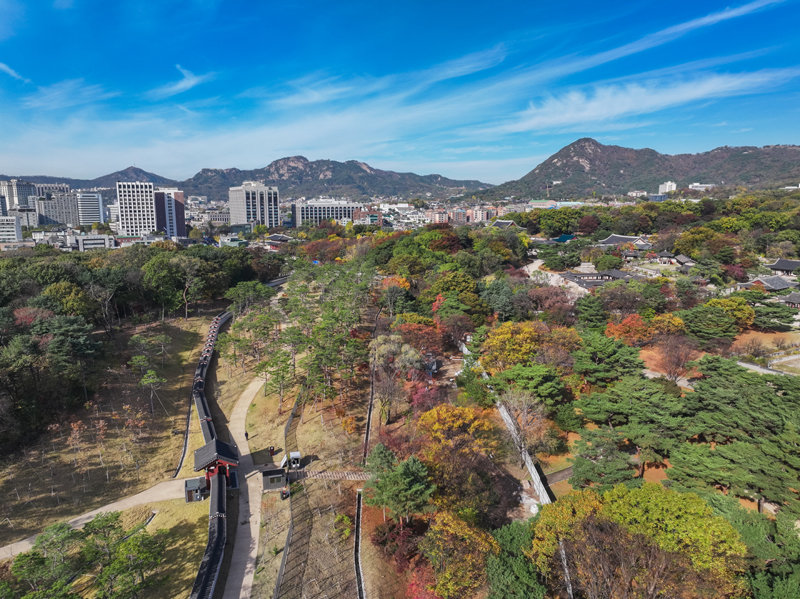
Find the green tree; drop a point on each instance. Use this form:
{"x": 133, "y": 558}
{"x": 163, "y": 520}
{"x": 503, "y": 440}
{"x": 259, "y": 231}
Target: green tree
{"x": 135, "y": 558}
{"x": 405, "y": 490}
{"x": 247, "y": 294}
{"x": 603, "y": 360}
{"x": 651, "y": 419}
{"x": 591, "y": 314}
{"x": 153, "y": 382}
{"x": 509, "y": 572}
{"x": 709, "y": 324}
{"x": 599, "y": 462}
{"x": 774, "y": 317}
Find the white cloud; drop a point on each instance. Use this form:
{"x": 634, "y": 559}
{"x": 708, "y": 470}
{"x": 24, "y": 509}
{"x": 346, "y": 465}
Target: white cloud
{"x": 606, "y": 103}
{"x": 4, "y": 68}
{"x": 66, "y": 94}
{"x": 188, "y": 81}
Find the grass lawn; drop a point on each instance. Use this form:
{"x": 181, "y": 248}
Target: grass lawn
{"x": 113, "y": 447}
{"x": 187, "y": 524}
{"x": 275, "y": 517}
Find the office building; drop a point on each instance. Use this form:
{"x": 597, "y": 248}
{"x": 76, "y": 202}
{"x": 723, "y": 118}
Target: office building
{"x": 10, "y": 229}
{"x": 254, "y": 203}
{"x": 90, "y": 207}
{"x": 137, "y": 208}
{"x": 314, "y": 212}
{"x": 58, "y": 209}
{"x": 17, "y": 193}
{"x": 44, "y": 190}
{"x": 170, "y": 211}
{"x": 28, "y": 217}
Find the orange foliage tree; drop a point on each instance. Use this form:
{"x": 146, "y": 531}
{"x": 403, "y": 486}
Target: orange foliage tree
{"x": 632, "y": 330}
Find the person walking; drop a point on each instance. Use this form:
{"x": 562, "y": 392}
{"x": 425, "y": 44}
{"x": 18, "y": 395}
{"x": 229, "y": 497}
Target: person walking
{"x": 246, "y": 436}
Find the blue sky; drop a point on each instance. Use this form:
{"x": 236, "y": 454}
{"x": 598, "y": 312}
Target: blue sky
{"x": 479, "y": 90}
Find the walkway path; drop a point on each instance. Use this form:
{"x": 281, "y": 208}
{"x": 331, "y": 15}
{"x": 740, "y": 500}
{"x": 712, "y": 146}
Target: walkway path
{"x": 245, "y": 546}
{"x": 163, "y": 491}
{"x": 329, "y": 475}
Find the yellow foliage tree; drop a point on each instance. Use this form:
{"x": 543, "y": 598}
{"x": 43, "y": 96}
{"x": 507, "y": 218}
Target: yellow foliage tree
{"x": 737, "y": 308}
{"x": 518, "y": 342}
{"x": 457, "y": 551}
{"x": 463, "y": 429}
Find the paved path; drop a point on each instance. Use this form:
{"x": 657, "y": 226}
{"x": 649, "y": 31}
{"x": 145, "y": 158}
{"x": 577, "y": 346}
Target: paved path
{"x": 554, "y": 278}
{"x": 170, "y": 489}
{"x": 239, "y": 583}
{"x": 759, "y": 369}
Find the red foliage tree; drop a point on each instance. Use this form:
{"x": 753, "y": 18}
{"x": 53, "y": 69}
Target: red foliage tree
{"x": 588, "y": 224}
{"x": 26, "y": 316}
{"x": 424, "y": 338}
{"x": 632, "y": 330}
{"x": 420, "y": 583}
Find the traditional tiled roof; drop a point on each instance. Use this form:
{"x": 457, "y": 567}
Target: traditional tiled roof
{"x": 773, "y": 283}
{"x": 620, "y": 239}
{"x": 212, "y": 451}
{"x": 792, "y": 298}
{"x": 505, "y": 224}
{"x": 785, "y": 265}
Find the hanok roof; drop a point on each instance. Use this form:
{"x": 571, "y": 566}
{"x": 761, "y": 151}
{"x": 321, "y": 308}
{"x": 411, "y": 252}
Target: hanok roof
{"x": 665, "y": 254}
{"x": 280, "y": 238}
{"x": 785, "y": 265}
{"x": 620, "y": 239}
{"x": 773, "y": 283}
{"x": 792, "y": 298}
{"x": 563, "y": 238}
{"x": 505, "y": 224}
{"x": 681, "y": 259}
{"x": 213, "y": 451}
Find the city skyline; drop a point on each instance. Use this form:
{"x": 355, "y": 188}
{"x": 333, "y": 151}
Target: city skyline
{"x": 449, "y": 88}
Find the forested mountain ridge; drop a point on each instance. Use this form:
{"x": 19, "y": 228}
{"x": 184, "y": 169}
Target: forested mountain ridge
{"x": 586, "y": 167}
{"x": 295, "y": 176}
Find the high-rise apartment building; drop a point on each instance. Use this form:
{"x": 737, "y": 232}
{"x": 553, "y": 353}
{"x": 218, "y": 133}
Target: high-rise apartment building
{"x": 17, "y": 192}
{"x": 58, "y": 209}
{"x": 10, "y": 229}
{"x": 90, "y": 207}
{"x": 314, "y": 212}
{"x": 137, "y": 208}
{"x": 255, "y": 203}
{"x": 170, "y": 211}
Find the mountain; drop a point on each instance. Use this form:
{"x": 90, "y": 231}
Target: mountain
{"x": 295, "y": 176}
{"x": 131, "y": 173}
{"x": 587, "y": 167}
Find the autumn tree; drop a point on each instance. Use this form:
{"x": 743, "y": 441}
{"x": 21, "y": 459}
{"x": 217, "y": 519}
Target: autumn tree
{"x": 457, "y": 551}
{"x": 631, "y": 330}
{"x": 520, "y": 342}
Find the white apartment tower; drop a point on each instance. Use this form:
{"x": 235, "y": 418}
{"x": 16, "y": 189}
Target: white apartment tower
{"x": 10, "y": 229}
{"x": 667, "y": 186}
{"x": 137, "y": 208}
{"x": 255, "y": 203}
{"x": 90, "y": 208}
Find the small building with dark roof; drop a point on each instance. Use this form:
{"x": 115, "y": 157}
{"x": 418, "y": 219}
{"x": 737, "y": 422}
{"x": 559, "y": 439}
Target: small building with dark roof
{"x": 215, "y": 453}
{"x": 773, "y": 283}
{"x": 783, "y": 266}
{"x": 684, "y": 260}
{"x": 505, "y": 224}
{"x": 639, "y": 242}
{"x": 274, "y": 479}
{"x": 792, "y": 300}
{"x": 590, "y": 280}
